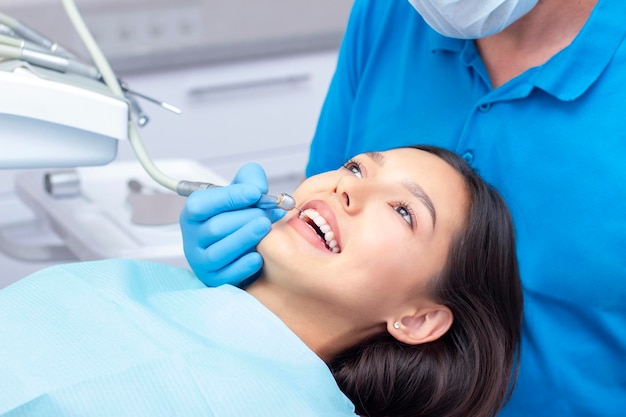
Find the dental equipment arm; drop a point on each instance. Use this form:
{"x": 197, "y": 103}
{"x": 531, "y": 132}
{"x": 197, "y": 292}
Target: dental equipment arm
{"x": 57, "y": 112}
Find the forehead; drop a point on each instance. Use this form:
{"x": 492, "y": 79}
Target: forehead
{"x": 415, "y": 162}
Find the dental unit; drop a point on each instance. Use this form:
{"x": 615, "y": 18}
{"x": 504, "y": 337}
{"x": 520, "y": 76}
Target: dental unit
{"x": 58, "y": 111}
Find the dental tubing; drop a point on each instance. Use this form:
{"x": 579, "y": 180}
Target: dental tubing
{"x": 183, "y": 188}
{"x": 109, "y": 78}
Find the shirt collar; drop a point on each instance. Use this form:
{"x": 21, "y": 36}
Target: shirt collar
{"x": 590, "y": 52}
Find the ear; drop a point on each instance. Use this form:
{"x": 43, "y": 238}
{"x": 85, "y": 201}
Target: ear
{"x": 422, "y": 326}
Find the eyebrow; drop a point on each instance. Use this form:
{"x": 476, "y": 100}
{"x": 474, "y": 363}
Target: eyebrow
{"x": 413, "y": 188}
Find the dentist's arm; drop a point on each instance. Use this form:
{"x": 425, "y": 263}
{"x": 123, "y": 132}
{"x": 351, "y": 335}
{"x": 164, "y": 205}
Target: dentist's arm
{"x": 221, "y": 230}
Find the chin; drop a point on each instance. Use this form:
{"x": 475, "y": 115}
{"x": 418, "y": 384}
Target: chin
{"x": 275, "y": 246}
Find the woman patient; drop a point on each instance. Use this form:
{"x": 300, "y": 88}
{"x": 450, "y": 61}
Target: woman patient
{"x": 394, "y": 293}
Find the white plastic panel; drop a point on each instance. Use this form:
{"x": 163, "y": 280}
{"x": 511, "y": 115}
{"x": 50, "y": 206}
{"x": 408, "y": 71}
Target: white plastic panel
{"x": 55, "y": 121}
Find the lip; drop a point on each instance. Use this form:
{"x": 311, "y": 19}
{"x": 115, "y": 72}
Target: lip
{"x": 308, "y": 233}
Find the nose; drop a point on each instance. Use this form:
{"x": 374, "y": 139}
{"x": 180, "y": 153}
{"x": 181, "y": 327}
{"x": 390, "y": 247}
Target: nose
{"x": 352, "y": 192}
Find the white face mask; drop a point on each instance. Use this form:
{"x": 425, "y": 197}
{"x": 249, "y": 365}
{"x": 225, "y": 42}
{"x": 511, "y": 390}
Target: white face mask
{"x": 471, "y": 19}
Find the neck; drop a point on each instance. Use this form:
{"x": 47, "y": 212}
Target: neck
{"x": 535, "y": 38}
{"x": 323, "y": 328}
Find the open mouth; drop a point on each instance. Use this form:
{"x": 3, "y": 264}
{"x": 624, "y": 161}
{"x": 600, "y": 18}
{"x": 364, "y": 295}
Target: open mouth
{"x": 321, "y": 227}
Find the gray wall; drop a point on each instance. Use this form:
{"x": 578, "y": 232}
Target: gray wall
{"x": 140, "y": 35}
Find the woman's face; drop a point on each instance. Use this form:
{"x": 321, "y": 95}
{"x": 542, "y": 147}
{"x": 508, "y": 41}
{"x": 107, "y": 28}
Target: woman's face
{"x": 388, "y": 220}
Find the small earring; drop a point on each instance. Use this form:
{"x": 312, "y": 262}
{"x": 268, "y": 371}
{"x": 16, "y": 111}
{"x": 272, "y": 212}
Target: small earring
{"x": 396, "y": 325}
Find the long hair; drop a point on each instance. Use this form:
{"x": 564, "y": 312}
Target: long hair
{"x": 471, "y": 370}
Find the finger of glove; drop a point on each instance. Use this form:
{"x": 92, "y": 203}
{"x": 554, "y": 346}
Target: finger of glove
{"x": 275, "y": 214}
{"x": 252, "y": 174}
{"x": 203, "y": 204}
{"x": 235, "y": 273}
{"x": 253, "y": 221}
{"x": 236, "y": 244}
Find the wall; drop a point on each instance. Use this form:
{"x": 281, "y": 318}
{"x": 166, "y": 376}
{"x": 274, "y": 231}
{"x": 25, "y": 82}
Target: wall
{"x": 139, "y": 35}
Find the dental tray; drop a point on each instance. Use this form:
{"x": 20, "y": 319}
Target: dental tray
{"x": 117, "y": 210}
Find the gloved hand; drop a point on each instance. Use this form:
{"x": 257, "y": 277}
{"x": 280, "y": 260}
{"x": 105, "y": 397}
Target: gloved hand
{"x": 221, "y": 230}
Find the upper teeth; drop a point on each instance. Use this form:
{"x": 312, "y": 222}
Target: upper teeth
{"x": 329, "y": 235}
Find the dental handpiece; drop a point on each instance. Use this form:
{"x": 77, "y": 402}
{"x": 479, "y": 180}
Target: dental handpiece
{"x": 283, "y": 200}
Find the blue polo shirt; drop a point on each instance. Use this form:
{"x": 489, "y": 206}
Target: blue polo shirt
{"x": 552, "y": 140}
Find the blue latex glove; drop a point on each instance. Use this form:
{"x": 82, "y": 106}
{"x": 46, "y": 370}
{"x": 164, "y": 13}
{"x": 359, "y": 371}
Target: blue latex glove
{"x": 221, "y": 230}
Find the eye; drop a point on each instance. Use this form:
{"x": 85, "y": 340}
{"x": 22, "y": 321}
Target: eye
{"x": 355, "y": 167}
{"x": 405, "y": 211}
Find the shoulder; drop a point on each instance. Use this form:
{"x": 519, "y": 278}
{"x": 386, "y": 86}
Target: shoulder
{"x": 381, "y": 31}
{"x": 376, "y": 17}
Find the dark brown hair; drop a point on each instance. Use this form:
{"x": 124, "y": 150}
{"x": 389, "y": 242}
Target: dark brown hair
{"x": 469, "y": 371}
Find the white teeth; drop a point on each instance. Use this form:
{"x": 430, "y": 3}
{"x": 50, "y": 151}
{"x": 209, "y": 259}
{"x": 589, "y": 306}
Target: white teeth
{"x": 320, "y": 222}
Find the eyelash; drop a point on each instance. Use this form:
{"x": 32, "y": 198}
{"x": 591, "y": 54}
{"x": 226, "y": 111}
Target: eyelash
{"x": 354, "y": 164}
{"x": 408, "y": 215}
{"x": 401, "y": 207}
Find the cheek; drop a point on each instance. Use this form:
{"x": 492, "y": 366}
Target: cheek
{"x": 381, "y": 259}
{"x": 325, "y": 183}
{"x": 394, "y": 266}
{"x": 375, "y": 284}
{"x": 389, "y": 260}
{"x": 379, "y": 235}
